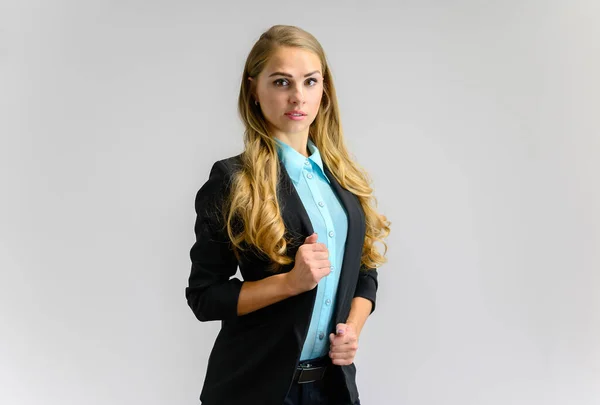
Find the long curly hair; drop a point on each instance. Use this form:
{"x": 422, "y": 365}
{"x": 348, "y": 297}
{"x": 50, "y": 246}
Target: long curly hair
{"x": 252, "y": 213}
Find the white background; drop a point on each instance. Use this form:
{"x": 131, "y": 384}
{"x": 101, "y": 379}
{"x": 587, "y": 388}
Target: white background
{"x": 478, "y": 121}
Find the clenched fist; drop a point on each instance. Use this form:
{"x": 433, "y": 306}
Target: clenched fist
{"x": 343, "y": 344}
{"x": 312, "y": 264}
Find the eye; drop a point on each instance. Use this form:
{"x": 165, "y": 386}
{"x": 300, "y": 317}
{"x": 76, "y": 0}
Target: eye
{"x": 314, "y": 80}
{"x": 279, "y": 82}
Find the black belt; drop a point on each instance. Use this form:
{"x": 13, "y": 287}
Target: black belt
{"x": 307, "y": 372}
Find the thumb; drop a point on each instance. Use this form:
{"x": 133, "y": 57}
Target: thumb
{"x": 341, "y": 329}
{"x": 312, "y": 238}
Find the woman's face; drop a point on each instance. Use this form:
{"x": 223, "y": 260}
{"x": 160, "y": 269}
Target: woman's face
{"x": 291, "y": 80}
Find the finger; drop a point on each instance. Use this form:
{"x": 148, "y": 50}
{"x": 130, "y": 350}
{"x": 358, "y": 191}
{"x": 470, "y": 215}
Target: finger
{"x": 325, "y": 265}
{"x": 341, "y": 328}
{"x": 336, "y": 340}
{"x": 320, "y": 256}
{"x": 319, "y": 247}
{"x": 323, "y": 273}
{"x": 342, "y": 355}
{"x": 340, "y": 340}
{"x": 344, "y": 332}
{"x": 342, "y": 362}
{"x": 339, "y": 346}
{"x": 312, "y": 238}
{"x": 344, "y": 339}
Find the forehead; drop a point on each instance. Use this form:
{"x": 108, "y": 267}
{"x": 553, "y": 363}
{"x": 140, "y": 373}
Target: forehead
{"x": 295, "y": 61}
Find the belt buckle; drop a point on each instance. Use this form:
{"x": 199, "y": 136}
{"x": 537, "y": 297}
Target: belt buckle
{"x": 307, "y": 372}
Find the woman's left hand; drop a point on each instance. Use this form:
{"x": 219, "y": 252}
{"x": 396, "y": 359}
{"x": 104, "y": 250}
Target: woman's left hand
{"x": 344, "y": 344}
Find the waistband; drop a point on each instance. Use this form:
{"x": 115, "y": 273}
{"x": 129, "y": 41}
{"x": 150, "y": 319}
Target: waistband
{"x": 311, "y": 370}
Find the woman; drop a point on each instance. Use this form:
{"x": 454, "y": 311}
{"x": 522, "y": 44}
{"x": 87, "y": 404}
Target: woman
{"x": 293, "y": 211}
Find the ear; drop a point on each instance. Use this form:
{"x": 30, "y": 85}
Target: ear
{"x": 252, "y": 88}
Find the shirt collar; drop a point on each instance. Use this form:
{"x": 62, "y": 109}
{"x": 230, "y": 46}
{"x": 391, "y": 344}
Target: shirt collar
{"x": 294, "y": 162}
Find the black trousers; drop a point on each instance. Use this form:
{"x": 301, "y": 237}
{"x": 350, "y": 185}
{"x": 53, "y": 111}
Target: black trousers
{"x": 321, "y": 392}
{"x": 312, "y": 393}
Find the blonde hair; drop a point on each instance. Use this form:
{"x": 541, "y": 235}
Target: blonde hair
{"x": 252, "y": 204}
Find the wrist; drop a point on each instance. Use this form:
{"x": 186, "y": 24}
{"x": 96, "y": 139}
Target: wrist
{"x": 288, "y": 285}
{"x": 354, "y": 325}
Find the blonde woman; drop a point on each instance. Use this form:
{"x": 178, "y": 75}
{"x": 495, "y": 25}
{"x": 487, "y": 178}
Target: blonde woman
{"x": 295, "y": 213}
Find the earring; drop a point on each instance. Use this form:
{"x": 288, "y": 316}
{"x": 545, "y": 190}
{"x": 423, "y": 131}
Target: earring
{"x": 255, "y": 102}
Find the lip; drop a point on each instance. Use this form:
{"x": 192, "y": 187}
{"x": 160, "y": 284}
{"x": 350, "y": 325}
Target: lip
{"x": 295, "y": 112}
{"x": 296, "y": 118}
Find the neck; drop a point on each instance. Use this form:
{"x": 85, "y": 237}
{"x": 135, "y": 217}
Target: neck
{"x": 297, "y": 141}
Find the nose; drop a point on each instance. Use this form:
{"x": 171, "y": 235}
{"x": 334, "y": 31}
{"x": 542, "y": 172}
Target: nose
{"x": 297, "y": 95}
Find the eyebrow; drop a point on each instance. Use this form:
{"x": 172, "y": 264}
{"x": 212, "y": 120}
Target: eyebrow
{"x": 289, "y": 75}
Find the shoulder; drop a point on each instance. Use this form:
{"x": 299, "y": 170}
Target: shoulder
{"x": 219, "y": 179}
{"x": 228, "y": 166}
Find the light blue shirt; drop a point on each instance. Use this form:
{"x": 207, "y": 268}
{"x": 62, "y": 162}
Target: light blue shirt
{"x": 330, "y": 222}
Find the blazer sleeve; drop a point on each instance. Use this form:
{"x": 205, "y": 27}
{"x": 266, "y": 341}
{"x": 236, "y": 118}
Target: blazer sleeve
{"x": 211, "y": 293}
{"x": 366, "y": 286}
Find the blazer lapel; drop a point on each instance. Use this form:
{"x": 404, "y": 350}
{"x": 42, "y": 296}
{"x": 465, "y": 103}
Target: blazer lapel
{"x": 352, "y": 249}
{"x": 292, "y": 207}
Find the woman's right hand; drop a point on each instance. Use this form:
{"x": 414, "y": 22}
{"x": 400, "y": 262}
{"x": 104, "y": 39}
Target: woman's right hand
{"x": 312, "y": 264}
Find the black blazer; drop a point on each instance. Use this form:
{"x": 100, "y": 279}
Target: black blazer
{"x": 254, "y": 356}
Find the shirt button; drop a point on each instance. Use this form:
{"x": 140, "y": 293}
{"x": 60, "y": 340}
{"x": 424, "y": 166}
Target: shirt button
{"x": 309, "y": 176}
{"x": 331, "y": 268}
{"x": 306, "y": 162}
{"x": 321, "y": 203}
{"x": 331, "y": 234}
{"x": 321, "y": 336}
{"x": 328, "y": 302}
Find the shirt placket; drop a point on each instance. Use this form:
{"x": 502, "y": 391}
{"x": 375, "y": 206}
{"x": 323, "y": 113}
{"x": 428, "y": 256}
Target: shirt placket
{"x": 327, "y": 284}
